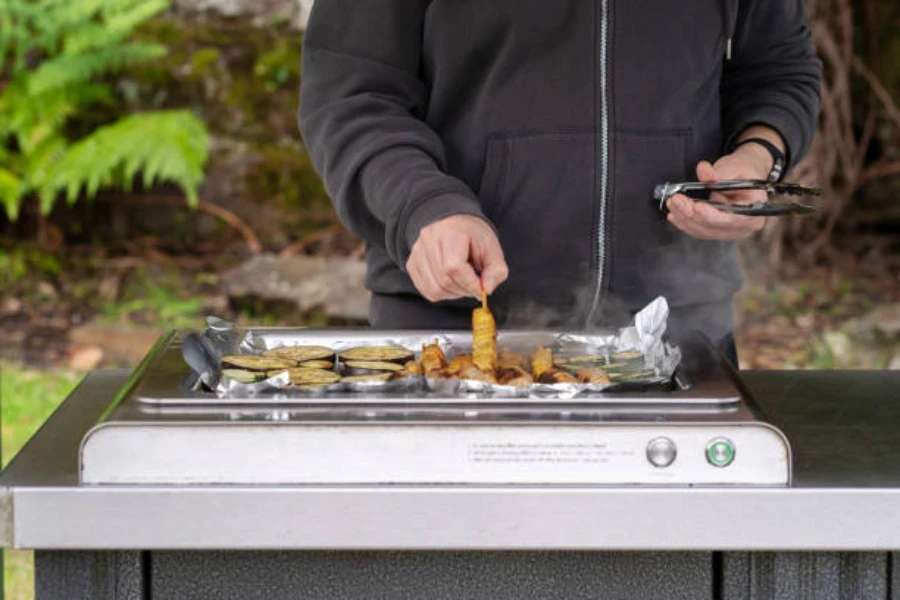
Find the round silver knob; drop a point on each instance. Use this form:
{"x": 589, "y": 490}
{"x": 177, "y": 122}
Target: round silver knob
{"x": 661, "y": 452}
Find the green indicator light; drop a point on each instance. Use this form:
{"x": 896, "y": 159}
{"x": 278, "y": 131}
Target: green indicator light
{"x": 720, "y": 452}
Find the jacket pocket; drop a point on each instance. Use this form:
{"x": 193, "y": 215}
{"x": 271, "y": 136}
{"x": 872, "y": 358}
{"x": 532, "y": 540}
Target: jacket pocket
{"x": 538, "y": 190}
{"x": 650, "y": 257}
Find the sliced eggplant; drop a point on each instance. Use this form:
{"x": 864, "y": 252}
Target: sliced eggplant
{"x": 368, "y": 377}
{"x": 317, "y": 364}
{"x": 243, "y": 376}
{"x": 250, "y": 362}
{"x": 301, "y": 354}
{"x": 302, "y": 376}
{"x": 362, "y": 367}
{"x": 397, "y": 354}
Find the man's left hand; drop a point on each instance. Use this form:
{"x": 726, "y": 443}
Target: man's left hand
{"x": 706, "y": 222}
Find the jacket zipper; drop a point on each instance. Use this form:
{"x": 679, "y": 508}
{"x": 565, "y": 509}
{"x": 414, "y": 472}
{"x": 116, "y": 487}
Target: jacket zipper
{"x": 604, "y": 163}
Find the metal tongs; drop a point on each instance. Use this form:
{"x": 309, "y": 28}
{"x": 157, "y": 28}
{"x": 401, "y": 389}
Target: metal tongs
{"x": 699, "y": 192}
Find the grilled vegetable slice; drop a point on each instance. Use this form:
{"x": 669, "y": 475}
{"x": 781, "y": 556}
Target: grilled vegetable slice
{"x": 301, "y": 376}
{"x": 317, "y": 364}
{"x": 633, "y": 375}
{"x": 251, "y": 362}
{"x": 368, "y": 377}
{"x": 301, "y": 354}
{"x": 484, "y": 337}
{"x": 592, "y": 375}
{"x": 243, "y": 375}
{"x": 625, "y": 356}
{"x": 541, "y": 360}
{"x": 556, "y": 376}
{"x": 581, "y": 361}
{"x": 397, "y": 354}
{"x": 432, "y": 359}
{"x": 515, "y": 376}
{"x": 362, "y": 367}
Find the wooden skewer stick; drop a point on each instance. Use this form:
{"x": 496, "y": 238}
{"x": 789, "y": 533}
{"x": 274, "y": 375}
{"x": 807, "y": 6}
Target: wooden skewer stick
{"x": 484, "y": 298}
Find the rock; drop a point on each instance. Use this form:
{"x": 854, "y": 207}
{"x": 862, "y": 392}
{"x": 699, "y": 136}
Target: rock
{"x": 11, "y": 306}
{"x": 840, "y": 345}
{"x": 85, "y": 358}
{"x": 262, "y": 11}
{"x": 334, "y": 285}
{"x": 881, "y": 322}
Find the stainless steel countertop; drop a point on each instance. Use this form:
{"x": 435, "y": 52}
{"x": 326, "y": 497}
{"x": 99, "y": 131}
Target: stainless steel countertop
{"x": 844, "y": 428}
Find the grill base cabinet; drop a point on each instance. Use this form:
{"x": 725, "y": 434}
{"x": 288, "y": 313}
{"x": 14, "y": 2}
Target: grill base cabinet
{"x": 244, "y": 575}
{"x": 833, "y": 533}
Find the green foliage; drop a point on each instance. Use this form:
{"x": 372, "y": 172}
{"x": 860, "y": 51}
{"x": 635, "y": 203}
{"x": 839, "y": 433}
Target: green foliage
{"x": 53, "y": 54}
{"x": 18, "y": 264}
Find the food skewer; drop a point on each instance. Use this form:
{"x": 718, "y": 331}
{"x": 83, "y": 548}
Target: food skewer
{"x": 484, "y": 337}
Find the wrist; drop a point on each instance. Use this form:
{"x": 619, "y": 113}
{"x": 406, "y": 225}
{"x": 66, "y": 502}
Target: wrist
{"x": 760, "y": 160}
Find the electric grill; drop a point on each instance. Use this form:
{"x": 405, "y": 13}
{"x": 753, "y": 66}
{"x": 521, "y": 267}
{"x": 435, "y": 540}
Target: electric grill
{"x": 701, "y": 427}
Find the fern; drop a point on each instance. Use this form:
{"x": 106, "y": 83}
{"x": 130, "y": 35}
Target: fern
{"x": 75, "y": 42}
{"x": 10, "y": 192}
{"x": 81, "y": 68}
{"x": 165, "y": 146}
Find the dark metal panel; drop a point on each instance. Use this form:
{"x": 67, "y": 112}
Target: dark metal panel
{"x": 433, "y": 575}
{"x": 89, "y": 576}
{"x": 842, "y": 425}
{"x": 805, "y": 576}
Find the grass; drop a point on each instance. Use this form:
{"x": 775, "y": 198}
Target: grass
{"x": 27, "y": 398}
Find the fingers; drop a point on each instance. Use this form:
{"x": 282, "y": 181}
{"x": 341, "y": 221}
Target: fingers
{"x": 705, "y": 222}
{"x": 706, "y": 172}
{"x": 445, "y": 257}
{"x": 494, "y": 270}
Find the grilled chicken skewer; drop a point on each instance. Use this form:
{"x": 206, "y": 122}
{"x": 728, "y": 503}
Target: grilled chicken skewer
{"x": 484, "y": 337}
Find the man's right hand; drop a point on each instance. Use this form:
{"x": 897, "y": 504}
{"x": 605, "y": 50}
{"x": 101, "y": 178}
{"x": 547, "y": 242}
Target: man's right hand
{"x": 448, "y": 255}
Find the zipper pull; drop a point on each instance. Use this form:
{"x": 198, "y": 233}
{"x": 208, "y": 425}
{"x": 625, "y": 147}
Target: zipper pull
{"x": 728, "y": 49}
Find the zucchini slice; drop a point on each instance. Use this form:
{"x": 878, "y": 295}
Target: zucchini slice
{"x": 243, "y": 376}
{"x": 300, "y": 354}
{"x": 396, "y": 354}
{"x": 368, "y": 377}
{"x": 361, "y": 367}
{"x": 250, "y": 362}
{"x": 302, "y": 376}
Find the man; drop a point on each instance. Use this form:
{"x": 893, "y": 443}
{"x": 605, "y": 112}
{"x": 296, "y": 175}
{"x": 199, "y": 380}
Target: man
{"x": 515, "y": 145}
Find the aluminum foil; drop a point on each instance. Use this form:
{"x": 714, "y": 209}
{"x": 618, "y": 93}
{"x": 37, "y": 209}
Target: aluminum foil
{"x": 222, "y": 338}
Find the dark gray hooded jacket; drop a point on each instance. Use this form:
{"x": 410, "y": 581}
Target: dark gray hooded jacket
{"x": 553, "y": 119}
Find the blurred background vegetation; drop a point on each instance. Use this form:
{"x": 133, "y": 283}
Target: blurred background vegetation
{"x": 150, "y": 159}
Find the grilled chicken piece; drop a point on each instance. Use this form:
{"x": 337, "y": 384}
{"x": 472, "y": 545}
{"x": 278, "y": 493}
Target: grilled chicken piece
{"x": 541, "y": 360}
{"x": 432, "y": 359}
{"x": 460, "y": 362}
{"x": 515, "y": 376}
{"x": 552, "y": 375}
{"x": 592, "y": 375}
{"x": 484, "y": 337}
{"x": 475, "y": 374}
{"x": 510, "y": 360}
{"x": 410, "y": 368}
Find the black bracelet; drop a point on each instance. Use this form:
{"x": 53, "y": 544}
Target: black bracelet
{"x": 779, "y": 160}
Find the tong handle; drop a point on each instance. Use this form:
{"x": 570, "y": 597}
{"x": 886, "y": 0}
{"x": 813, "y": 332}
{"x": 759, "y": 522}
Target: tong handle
{"x": 663, "y": 192}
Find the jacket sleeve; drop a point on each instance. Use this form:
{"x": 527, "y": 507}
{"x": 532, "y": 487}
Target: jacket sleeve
{"x": 362, "y": 107}
{"x": 773, "y": 77}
